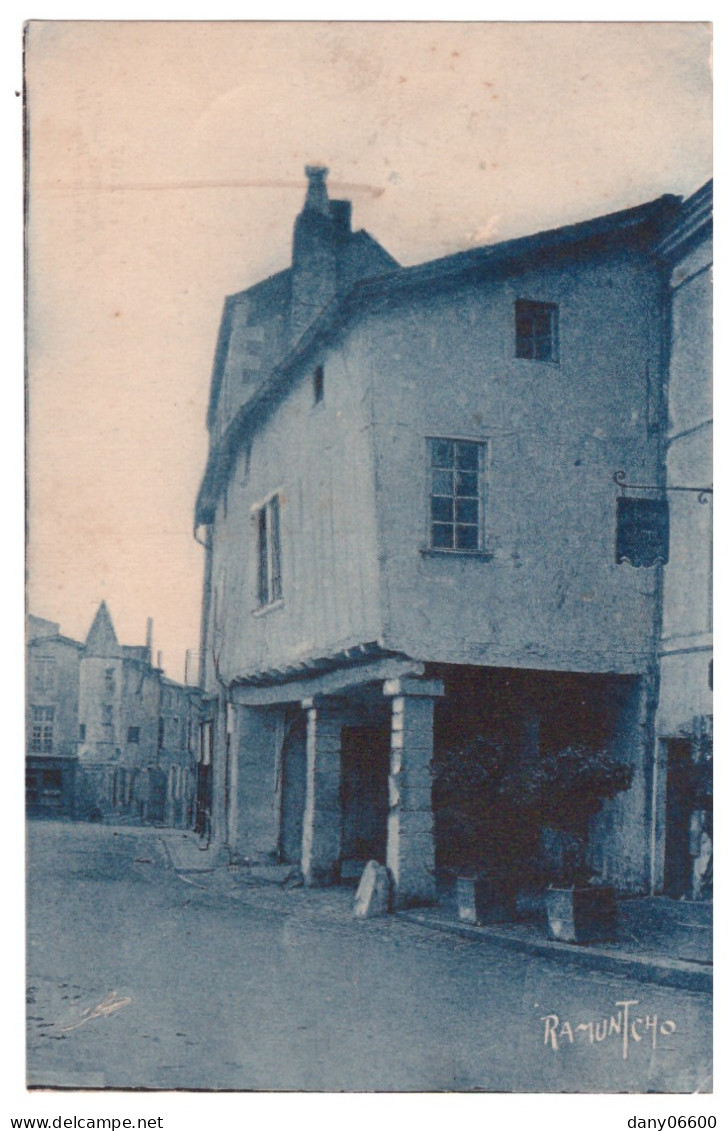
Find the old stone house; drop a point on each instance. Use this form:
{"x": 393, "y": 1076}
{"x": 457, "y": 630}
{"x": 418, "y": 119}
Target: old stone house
{"x": 51, "y": 725}
{"x": 119, "y": 707}
{"x": 409, "y": 518}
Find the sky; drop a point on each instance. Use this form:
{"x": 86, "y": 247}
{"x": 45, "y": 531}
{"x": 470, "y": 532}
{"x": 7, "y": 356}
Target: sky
{"x": 165, "y": 171}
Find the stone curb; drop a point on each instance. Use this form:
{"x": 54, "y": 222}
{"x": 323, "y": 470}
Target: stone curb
{"x": 664, "y": 971}
{"x": 207, "y": 863}
{"x": 674, "y": 972}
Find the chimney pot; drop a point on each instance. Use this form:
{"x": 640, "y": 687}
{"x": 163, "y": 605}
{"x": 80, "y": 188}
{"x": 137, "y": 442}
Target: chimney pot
{"x": 317, "y": 198}
{"x": 317, "y": 172}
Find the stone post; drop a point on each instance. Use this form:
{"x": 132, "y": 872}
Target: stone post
{"x": 321, "y": 842}
{"x": 253, "y": 822}
{"x": 410, "y": 832}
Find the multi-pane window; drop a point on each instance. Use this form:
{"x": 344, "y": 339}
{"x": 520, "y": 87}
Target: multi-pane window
{"x": 109, "y": 681}
{"x": 537, "y": 331}
{"x": 41, "y": 739}
{"x": 456, "y": 494}
{"x": 132, "y": 735}
{"x": 269, "y": 552}
{"x": 107, "y": 715}
{"x": 82, "y": 732}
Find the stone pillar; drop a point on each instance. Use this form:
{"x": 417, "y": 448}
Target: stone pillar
{"x": 321, "y": 843}
{"x": 410, "y": 831}
{"x": 252, "y": 784}
{"x": 622, "y": 833}
{"x": 658, "y": 816}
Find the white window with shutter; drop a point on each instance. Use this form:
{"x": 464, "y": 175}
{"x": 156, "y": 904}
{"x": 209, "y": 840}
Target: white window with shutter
{"x": 268, "y": 533}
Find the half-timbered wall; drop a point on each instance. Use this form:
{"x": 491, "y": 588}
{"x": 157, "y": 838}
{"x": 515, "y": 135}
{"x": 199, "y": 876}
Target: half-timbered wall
{"x": 316, "y": 458}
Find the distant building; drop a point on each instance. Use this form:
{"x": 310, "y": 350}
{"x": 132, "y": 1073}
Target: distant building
{"x": 119, "y": 710}
{"x": 178, "y": 750}
{"x": 51, "y": 718}
{"x": 104, "y": 721}
{"x": 409, "y": 515}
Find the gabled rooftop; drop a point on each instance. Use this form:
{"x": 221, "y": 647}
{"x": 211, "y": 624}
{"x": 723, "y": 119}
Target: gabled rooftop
{"x": 328, "y": 258}
{"x": 101, "y": 639}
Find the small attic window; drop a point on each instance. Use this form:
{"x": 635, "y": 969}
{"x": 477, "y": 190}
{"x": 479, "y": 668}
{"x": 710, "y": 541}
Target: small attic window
{"x": 318, "y": 384}
{"x": 537, "y": 331}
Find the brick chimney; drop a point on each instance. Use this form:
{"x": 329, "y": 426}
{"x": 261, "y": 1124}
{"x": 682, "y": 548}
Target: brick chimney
{"x": 321, "y": 228}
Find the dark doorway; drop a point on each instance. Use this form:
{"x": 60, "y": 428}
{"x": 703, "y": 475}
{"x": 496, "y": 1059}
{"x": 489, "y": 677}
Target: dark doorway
{"x": 680, "y": 803}
{"x": 364, "y": 793}
{"x": 157, "y": 794}
{"x": 32, "y": 786}
{"x": 293, "y": 790}
{"x": 203, "y": 808}
{"x": 48, "y": 789}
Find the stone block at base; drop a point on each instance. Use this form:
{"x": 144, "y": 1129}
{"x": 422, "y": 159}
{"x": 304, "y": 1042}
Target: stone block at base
{"x": 580, "y": 915}
{"x": 373, "y": 896}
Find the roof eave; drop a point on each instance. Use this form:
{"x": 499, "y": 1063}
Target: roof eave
{"x": 693, "y": 223}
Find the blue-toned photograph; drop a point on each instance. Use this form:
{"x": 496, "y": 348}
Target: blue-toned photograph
{"x": 369, "y": 724}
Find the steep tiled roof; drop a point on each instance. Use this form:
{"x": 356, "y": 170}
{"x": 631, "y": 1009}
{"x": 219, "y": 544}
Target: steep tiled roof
{"x": 101, "y": 639}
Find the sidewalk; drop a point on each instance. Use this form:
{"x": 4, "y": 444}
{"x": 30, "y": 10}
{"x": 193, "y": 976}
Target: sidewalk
{"x": 660, "y": 940}
{"x": 654, "y": 944}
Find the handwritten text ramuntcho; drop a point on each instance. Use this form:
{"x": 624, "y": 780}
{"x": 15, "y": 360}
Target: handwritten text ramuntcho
{"x": 630, "y": 1026}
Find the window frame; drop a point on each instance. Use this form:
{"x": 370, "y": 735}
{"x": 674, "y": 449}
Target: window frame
{"x": 266, "y": 517}
{"x": 42, "y": 722}
{"x": 483, "y": 446}
{"x": 533, "y": 306}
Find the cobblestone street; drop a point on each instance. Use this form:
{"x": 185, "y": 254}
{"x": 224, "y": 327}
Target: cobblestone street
{"x": 140, "y": 977}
